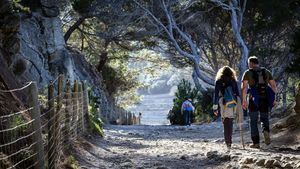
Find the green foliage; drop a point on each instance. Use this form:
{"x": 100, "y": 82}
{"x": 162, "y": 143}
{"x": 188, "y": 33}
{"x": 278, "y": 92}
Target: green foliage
{"x": 184, "y": 89}
{"x": 201, "y": 100}
{"x": 294, "y": 67}
{"x": 81, "y": 6}
{"x": 204, "y": 106}
{"x": 18, "y": 7}
{"x": 95, "y": 123}
{"x": 71, "y": 163}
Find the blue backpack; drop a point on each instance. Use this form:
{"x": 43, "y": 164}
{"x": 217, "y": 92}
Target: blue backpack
{"x": 261, "y": 89}
{"x": 229, "y": 99}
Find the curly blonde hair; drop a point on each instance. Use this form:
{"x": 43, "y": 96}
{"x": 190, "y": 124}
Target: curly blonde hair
{"x": 226, "y": 72}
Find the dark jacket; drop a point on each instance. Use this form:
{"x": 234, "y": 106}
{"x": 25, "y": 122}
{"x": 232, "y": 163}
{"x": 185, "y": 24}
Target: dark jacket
{"x": 220, "y": 86}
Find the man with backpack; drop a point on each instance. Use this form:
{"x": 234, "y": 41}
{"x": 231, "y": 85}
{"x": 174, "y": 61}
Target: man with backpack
{"x": 187, "y": 109}
{"x": 258, "y": 82}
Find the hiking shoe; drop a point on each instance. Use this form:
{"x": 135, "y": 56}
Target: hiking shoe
{"x": 267, "y": 138}
{"x": 255, "y": 146}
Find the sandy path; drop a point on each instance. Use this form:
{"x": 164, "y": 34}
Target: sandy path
{"x": 161, "y": 147}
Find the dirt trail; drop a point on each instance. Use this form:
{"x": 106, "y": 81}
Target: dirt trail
{"x": 162, "y": 147}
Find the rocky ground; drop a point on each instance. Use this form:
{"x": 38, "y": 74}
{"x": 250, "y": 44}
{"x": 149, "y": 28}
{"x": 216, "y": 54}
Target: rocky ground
{"x": 198, "y": 146}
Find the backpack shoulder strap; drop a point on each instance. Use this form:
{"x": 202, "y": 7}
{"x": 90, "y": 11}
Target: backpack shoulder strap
{"x": 254, "y": 75}
{"x": 264, "y": 74}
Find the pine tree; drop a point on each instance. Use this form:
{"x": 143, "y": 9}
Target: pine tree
{"x": 184, "y": 89}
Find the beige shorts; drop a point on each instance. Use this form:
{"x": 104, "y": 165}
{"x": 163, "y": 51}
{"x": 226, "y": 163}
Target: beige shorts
{"x": 236, "y": 112}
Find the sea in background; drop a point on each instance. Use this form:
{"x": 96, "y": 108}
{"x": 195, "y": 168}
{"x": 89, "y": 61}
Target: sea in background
{"x": 154, "y": 109}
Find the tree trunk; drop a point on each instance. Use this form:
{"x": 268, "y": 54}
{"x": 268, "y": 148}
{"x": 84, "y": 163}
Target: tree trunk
{"x": 201, "y": 74}
{"x": 284, "y": 92}
{"x": 196, "y": 81}
{"x": 102, "y": 61}
{"x": 73, "y": 28}
{"x": 297, "y": 99}
{"x": 236, "y": 27}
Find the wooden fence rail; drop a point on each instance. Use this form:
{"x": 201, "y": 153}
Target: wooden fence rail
{"x": 36, "y": 137}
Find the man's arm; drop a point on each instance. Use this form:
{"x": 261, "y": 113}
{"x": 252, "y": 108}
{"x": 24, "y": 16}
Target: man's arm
{"x": 273, "y": 85}
{"x": 244, "y": 93}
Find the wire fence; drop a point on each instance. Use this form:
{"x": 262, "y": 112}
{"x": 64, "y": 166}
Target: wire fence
{"x": 36, "y": 136}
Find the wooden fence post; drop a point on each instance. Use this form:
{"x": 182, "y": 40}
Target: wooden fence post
{"x": 85, "y": 107}
{"x": 37, "y": 136}
{"x": 68, "y": 111}
{"x": 58, "y": 113}
{"x": 80, "y": 108}
{"x": 51, "y": 128}
{"x": 75, "y": 108}
{"x": 134, "y": 119}
{"x": 127, "y": 118}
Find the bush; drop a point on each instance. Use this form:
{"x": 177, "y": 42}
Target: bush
{"x": 184, "y": 89}
{"x": 204, "y": 105}
{"x": 202, "y": 101}
{"x": 95, "y": 123}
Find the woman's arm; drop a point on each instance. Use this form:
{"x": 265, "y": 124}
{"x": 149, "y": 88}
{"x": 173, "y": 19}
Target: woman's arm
{"x": 236, "y": 88}
{"x": 216, "y": 96}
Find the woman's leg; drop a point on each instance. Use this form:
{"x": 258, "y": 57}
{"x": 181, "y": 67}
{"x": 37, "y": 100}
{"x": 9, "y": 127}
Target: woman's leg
{"x": 228, "y": 123}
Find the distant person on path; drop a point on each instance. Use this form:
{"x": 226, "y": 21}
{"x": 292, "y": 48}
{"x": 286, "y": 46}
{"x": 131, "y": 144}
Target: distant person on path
{"x": 227, "y": 101}
{"x": 262, "y": 89}
{"x": 187, "y": 109}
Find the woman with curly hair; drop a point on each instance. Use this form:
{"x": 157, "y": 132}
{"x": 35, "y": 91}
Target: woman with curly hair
{"x": 226, "y": 99}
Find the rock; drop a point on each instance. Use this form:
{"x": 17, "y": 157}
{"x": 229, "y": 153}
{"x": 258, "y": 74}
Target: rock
{"x": 287, "y": 166}
{"x": 162, "y": 167}
{"x": 277, "y": 157}
{"x": 276, "y": 163}
{"x": 184, "y": 157}
{"x": 286, "y": 158}
{"x": 211, "y": 154}
{"x": 248, "y": 160}
{"x": 50, "y": 12}
{"x": 225, "y": 157}
{"x": 228, "y": 166}
{"x": 214, "y": 156}
{"x": 218, "y": 141}
{"x": 158, "y": 164}
{"x": 140, "y": 167}
{"x": 294, "y": 158}
{"x": 298, "y": 165}
{"x": 269, "y": 163}
{"x": 244, "y": 166}
{"x": 260, "y": 162}
{"x": 126, "y": 165}
{"x": 234, "y": 157}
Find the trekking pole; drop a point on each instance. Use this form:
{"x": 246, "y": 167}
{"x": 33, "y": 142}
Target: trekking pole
{"x": 242, "y": 135}
{"x": 240, "y": 121}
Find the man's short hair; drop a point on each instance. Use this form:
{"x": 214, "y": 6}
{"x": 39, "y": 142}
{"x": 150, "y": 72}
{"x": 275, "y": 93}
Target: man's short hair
{"x": 253, "y": 59}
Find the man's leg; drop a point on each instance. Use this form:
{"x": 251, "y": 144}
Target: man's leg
{"x": 185, "y": 117}
{"x": 254, "y": 128}
{"x": 190, "y": 118}
{"x": 264, "y": 118}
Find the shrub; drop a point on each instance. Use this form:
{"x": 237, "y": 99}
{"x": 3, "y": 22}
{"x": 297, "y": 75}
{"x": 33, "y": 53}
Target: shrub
{"x": 201, "y": 100}
{"x": 95, "y": 123}
{"x": 184, "y": 89}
